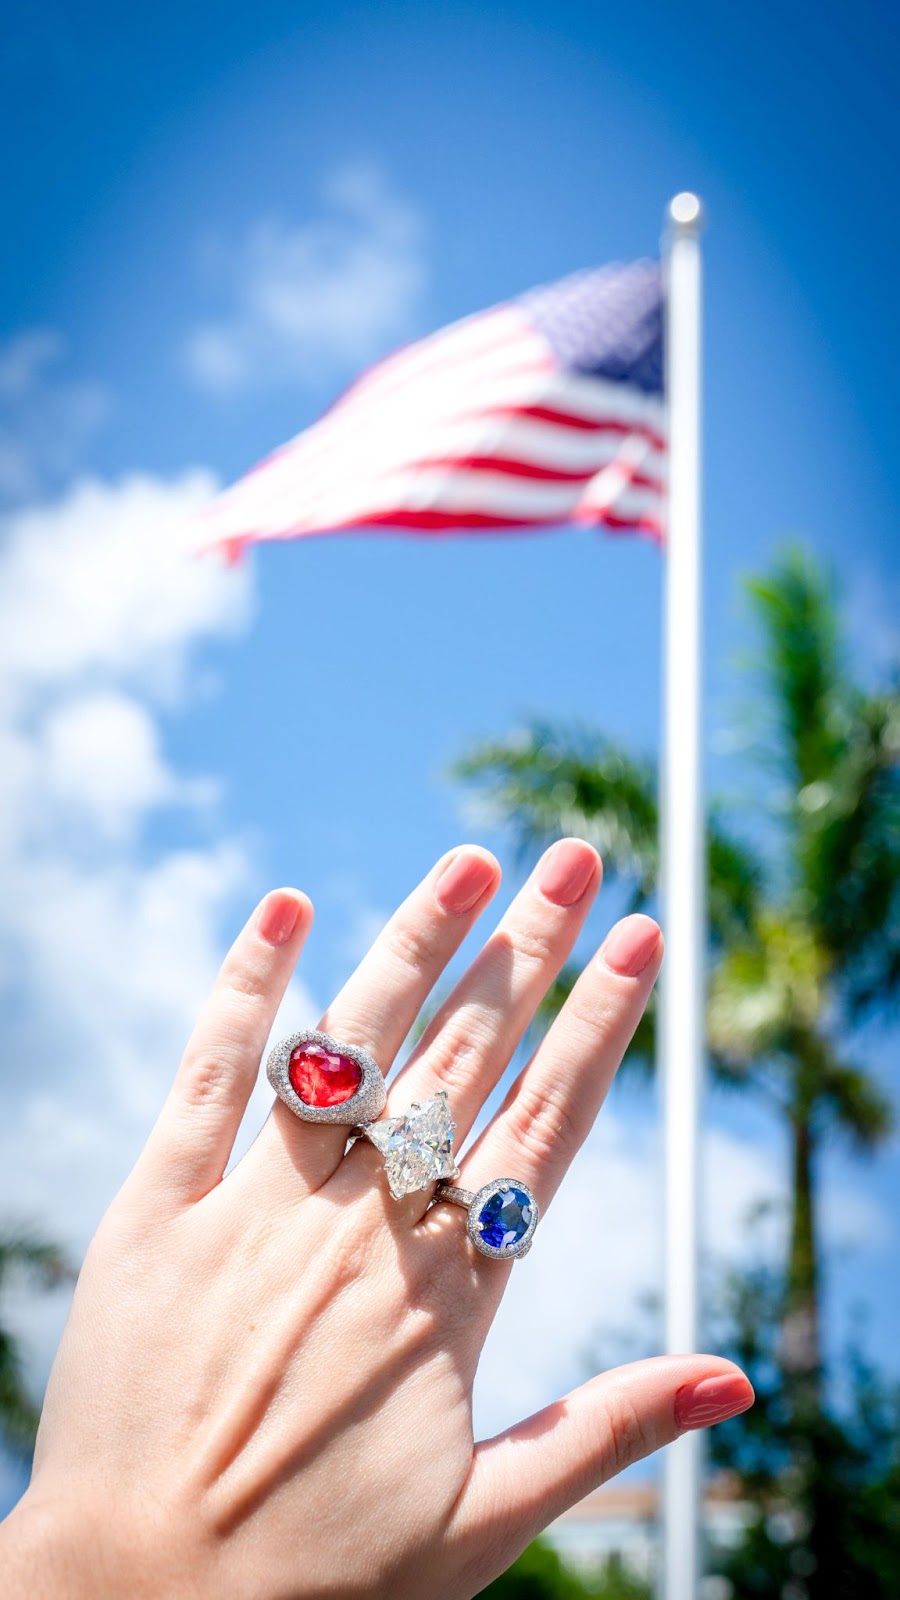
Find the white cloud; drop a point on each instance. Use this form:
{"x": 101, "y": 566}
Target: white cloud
{"x": 107, "y": 941}
{"x": 326, "y": 294}
{"x": 104, "y": 586}
{"x": 46, "y": 418}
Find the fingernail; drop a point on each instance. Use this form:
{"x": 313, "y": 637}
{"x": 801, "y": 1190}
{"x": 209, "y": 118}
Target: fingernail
{"x": 278, "y": 918}
{"x": 464, "y": 880}
{"x": 631, "y": 945}
{"x": 699, "y": 1405}
{"x": 566, "y": 870}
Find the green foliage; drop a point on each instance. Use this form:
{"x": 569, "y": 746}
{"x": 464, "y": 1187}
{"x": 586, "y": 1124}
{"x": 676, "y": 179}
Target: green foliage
{"x": 540, "y": 1574}
{"x": 23, "y": 1254}
{"x": 547, "y": 782}
{"x": 824, "y": 1481}
{"x": 838, "y": 749}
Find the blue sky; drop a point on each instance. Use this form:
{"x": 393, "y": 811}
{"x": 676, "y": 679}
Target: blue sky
{"x": 214, "y": 217}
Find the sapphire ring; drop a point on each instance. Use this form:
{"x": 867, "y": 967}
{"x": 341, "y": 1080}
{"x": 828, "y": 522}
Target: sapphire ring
{"x": 502, "y": 1216}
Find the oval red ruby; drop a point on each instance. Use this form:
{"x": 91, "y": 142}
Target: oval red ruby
{"x": 323, "y": 1077}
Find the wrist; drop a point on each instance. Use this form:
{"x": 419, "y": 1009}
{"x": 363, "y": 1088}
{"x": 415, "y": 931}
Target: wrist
{"x": 59, "y": 1547}
{"x": 36, "y": 1556}
{"x": 52, "y": 1549}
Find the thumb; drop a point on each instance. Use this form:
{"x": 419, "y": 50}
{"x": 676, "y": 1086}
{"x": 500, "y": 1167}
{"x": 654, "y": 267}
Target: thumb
{"x": 524, "y": 1478}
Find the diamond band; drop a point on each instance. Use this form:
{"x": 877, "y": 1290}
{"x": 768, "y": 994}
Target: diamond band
{"x": 501, "y": 1217}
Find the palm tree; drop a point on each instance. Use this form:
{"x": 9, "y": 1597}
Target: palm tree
{"x": 23, "y": 1254}
{"x": 804, "y": 929}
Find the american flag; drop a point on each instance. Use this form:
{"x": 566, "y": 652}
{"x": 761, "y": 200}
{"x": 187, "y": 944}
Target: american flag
{"x": 546, "y": 410}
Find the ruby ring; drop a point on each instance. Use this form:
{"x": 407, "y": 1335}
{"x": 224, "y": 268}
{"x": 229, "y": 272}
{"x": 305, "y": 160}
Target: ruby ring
{"x": 322, "y": 1080}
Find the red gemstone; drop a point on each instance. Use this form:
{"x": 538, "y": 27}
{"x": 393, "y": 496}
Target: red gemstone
{"x": 322, "y": 1077}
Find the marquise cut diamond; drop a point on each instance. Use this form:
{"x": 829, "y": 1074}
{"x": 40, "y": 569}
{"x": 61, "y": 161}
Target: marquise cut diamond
{"x": 418, "y": 1147}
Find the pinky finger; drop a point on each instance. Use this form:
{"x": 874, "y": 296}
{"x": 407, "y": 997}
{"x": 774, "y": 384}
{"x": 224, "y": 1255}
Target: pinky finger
{"x": 523, "y": 1479}
{"x": 189, "y": 1148}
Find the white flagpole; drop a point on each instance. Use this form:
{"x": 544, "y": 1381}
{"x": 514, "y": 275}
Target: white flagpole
{"x": 683, "y": 886}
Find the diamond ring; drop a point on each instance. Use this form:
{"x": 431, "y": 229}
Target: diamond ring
{"x": 502, "y": 1216}
{"x": 322, "y": 1080}
{"x": 417, "y": 1147}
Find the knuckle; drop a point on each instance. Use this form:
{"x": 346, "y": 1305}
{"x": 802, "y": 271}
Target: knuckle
{"x": 592, "y": 1016}
{"x": 627, "y": 1438}
{"x": 456, "y": 1058}
{"x": 413, "y": 946}
{"x": 207, "y": 1079}
{"x": 245, "y": 981}
{"x": 535, "y": 947}
{"x": 545, "y": 1124}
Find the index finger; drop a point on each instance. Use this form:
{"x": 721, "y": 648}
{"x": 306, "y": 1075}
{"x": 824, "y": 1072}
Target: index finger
{"x": 379, "y": 1004}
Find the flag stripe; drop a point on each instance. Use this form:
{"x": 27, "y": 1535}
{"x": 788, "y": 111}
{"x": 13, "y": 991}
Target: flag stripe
{"x": 570, "y": 460}
{"x": 437, "y": 522}
{"x": 566, "y": 419}
{"x": 448, "y": 490}
{"x": 523, "y": 416}
{"x": 538, "y": 444}
{"x": 520, "y": 468}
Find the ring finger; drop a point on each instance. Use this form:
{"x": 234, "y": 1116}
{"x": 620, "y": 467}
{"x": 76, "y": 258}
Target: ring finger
{"x": 552, "y": 1106}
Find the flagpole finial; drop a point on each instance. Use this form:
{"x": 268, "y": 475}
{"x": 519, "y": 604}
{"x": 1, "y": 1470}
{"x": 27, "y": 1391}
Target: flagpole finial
{"x": 685, "y": 213}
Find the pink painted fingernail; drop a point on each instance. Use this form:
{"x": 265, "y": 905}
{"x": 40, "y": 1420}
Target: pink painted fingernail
{"x": 566, "y": 870}
{"x": 464, "y": 880}
{"x": 631, "y": 945}
{"x": 278, "y": 918}
{"x": 699, "y": 1405}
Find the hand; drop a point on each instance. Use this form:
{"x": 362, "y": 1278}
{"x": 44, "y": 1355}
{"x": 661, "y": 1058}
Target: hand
{"x": 264, "y": 1387}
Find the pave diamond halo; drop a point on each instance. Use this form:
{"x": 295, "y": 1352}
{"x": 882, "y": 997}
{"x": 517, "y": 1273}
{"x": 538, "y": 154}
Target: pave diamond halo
{"x": 501, "y": 1218}
{"x": 417, "y": 1147}
{"x": 322, "y": 1080}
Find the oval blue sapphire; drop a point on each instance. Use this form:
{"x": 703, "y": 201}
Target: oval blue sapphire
{"x": 504, "y": 1219}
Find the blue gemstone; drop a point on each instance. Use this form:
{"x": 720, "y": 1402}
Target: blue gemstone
{"x": 504, "y": 1218}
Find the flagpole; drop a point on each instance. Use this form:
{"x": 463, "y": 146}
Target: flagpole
{"x": 683, "y": 874}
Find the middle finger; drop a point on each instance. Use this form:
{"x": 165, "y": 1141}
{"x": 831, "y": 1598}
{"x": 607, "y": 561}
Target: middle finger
{"x": 470, "y": 1041}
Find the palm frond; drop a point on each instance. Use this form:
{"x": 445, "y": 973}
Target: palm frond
{"x": 856, "y": 1105}
{"x": 766, "y": 987}
{"x": 27, "y": 1253}
{"x": 24, "y": 1253}
{"x": 734, "y": 883}
{"x": 795, "y": 608}
{"x": 848, "y": 847}
{"x": 19, "y": 1415}
{"x": 547, "y": 782}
